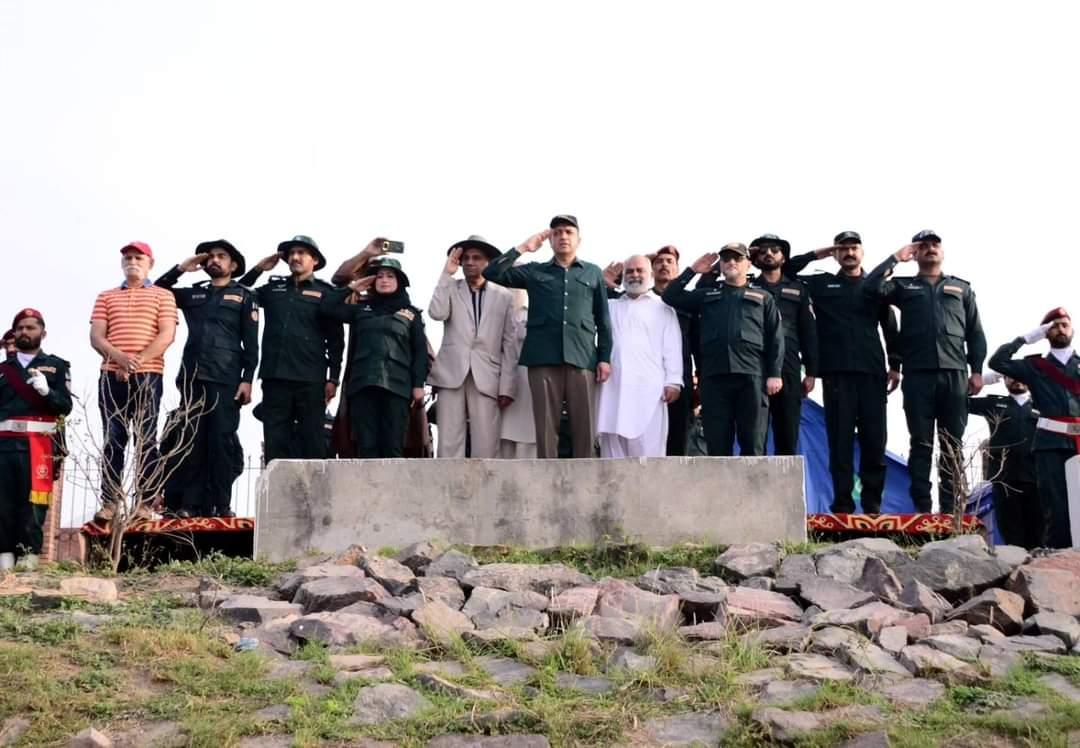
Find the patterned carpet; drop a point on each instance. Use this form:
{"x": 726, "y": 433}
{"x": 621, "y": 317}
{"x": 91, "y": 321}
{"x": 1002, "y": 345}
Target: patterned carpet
{"x": 888, "y": 524}
{"x": 166, "y": 526}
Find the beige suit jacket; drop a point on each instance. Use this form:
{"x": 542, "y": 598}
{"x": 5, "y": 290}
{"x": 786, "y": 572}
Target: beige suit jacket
{"x": 487, "y": 352}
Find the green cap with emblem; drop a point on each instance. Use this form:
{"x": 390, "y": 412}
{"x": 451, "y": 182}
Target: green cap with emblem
{"x": 307, "y": 243}
{"x": 390, "y": 263}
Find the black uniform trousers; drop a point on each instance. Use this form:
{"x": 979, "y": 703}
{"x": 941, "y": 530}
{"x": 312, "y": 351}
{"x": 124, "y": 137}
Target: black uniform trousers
{"x": 129, "y": 408}
{"x": 1053, "y": 496}
{"x": 1018, "y": 513}
{"x": 785, "y": 410}
{"x": 855, "y": 404}
{"x": 379, "y": 422}
{"x": 734, "y": 405}
{"x": 293, "y": 414}
{"x": 935, "y": 398}
{"x": 679, "y": 423}
{"x": 20, "y": 521}
{"x": 211, "y": 463}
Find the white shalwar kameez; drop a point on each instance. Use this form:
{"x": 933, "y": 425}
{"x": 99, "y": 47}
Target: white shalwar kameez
{"x": 632, "y": 417}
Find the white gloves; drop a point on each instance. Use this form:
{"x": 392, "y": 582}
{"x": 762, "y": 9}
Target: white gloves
{"x": 991, "y": 377}
{"x": 1037, "y": 334}
{"x": 39, "y": 383}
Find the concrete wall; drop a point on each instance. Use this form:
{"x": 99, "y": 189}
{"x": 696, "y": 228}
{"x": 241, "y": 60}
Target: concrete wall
{"x": 328, "y": 505}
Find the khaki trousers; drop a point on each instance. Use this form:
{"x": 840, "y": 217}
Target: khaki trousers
{"x": 466, "y": 408}
{"x": 550, "y": 386}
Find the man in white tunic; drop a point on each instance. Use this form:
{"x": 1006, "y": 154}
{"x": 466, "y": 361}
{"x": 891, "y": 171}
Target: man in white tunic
{"x": 646, "y": 370}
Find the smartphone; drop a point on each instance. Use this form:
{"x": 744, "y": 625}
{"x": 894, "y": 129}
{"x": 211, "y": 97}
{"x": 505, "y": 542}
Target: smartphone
{"x": 395, "y": 247}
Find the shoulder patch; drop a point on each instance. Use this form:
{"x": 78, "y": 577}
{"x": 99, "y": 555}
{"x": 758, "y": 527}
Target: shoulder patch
{"x": 238, "y": 298}
{"x": 408, "y": 314}
{"x": 791, "y": 292}
{"x": 953, "y": 289}
{"x": 313, "y": 294}
{"x": 47, "y": 369}
{"x": 757, "y": 296}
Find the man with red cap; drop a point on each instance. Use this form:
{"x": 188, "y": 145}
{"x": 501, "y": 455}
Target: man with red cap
{"x": 131, "y": 327}
{"x": 34, "y": 392}
{"x": 1054, "y": 382}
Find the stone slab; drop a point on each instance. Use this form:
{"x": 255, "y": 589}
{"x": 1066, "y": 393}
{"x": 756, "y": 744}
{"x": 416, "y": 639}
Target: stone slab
{"x": 328, "y": 505}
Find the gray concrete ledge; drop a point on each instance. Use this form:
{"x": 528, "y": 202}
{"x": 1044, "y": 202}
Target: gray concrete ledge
{"x": 329, "y": 505}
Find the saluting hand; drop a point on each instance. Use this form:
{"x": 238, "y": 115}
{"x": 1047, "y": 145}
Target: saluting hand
{"x": 534, "y": 242}
{"x": 194, "y": 262}
{"x": 360, "y": 285}
{"x": 267, "y": 264}
{"x": 773, "y": 385}
{"x": 453, "y": 261}
{"x": 906, "y": 253}
{"x": 705, "y": 263}
{"x": 603, "y": 372}
{"x": 612, "y": 274}
{"x": 824, "y": 252}
{"x": 243, "y": 393}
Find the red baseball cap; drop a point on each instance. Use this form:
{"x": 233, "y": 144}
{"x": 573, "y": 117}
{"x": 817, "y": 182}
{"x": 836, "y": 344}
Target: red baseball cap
{"x": 1054, "y": 314}
{"x": 140, "y": 247}
{"x": 25, "y": 314}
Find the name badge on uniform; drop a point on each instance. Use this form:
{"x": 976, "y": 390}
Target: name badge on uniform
{"x": 198, "y": 296}
{"x": 913, "y": 287}
{"x": 313, "y": 294}
{"x": 953, "y": 289}
{"x": 833, "y": 285}
{"x": 791, "y": 292}
{"x": 406, "y": 313}
{"x": 233, "y": 297}
{"x": 757, "y": 296}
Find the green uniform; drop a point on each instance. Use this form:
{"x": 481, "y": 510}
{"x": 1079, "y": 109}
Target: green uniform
{"x": 741, "y": 344}
{"x": 20, "y": 520}
{"x": 301, "y": 352}
{"x": 800, "y": 351}
{"x": 388, "y": 359}
{"x": 1055, "y": 393}
{"x": 941, "y": 339}
{"x": 852, "y": 368}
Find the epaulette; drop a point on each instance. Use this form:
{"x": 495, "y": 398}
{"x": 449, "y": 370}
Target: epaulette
{"x": 957, "y": 278}
{"x": 1033, "y": 356}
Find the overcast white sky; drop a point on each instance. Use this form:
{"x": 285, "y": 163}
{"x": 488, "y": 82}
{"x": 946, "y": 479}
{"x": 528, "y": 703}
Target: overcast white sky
{"x": 687, "y": 123}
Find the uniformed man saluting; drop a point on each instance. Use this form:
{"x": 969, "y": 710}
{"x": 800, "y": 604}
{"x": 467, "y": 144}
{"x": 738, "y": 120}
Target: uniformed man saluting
{"x": 35, "y": 389}
{"x": 301, "y": 352}
{"x": 769, "y": 253}
{"x": 742, "y": 351}
{"x": 389, "y": 360}
{"x": 220, "y": 356}
{"x": 943, "y": 348}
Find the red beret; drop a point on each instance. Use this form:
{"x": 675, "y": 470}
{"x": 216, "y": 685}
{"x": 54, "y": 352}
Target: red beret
{"x": 1054, "y": 314}
{"x": 9, "y": 335}
{"x": 668, "y": 250}
{"x": 28, "y": 312}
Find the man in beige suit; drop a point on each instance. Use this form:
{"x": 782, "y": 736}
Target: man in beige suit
{"x": 475, "y": 368}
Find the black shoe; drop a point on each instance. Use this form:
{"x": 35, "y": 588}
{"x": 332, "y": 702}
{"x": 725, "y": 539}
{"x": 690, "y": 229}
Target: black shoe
{"x": 224, "y": 513}
{"x": 183, "y": 514}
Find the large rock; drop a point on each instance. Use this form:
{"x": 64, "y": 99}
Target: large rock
{"x": 745, "y": 560}
{"x": 816, "y": 667}
{"x": 395, "y": 577}
{"x": 785, "y": 726}
{"x": 1046, "y": 588}
{"x": 670, "y": 580}
{"x": 418, "y": 556}
{"x": 1061, "y": 625}
{"x": 828, "y": 594}
{"x": 760, "y": 608}
{"x": 334, "y": 593}
{"x": 999, "y": 608}
{"x": 453, "y": 690}
{"x": 917, "y": 693}
{"x": 787, "y": 692}
{"x": 844, "y": 562}
{"x": 1024, "y": 643}
{"x": 440, "y": 622}
{"x": 505, "y": 671}
{"x": 586, "y": 684}
{"x": 790, "y": 638}
{"x": 1064, "y": 560}
{"x": 337, "y": 629}
{"x": 90, "y": 738}
{"x": 453, "y": 564}
{"x": 918, "y": 597}
{"x": 869, "y": 618}
{"x": 574, "y": 603}
{"x": 291, "y": 582}
{"x": 998, "y": 662}
{"x": 277, "y": 635}
{"x": 794, "y": 569}
{"x": 547, "y": 579}
{"x": 892, "y": 639}
{"x": 618, "y": 630}
{"x": 692, "y": 729}
{"x": 957, "y": 567}
{"x": 90, "y": 589}
{"x": 375, "y": 705}
{"x": 856, "y": 651}
{"x": 489, "y": 608}
{"x": 963, "y": 648}
{"x": 443, "y": 589}
{"x": 703, "y": 632}
{"x": 925, "y": 661}
{"x": 619, "y": 599}
{"x": 256, "y": 609}
{"x": 878, "y": 579}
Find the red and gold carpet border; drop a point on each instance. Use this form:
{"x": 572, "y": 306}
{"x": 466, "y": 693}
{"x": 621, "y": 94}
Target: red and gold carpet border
{"x": 908, "y": 524}
{"x": 166, "y": 526}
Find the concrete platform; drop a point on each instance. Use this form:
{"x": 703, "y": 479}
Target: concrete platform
{"x": 329, "y": 505}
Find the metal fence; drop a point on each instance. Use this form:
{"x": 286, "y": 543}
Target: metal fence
{"x": 82, "y": 489}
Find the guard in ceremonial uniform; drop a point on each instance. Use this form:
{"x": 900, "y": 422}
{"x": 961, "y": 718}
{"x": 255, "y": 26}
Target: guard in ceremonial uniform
{"x": 220, "y": 356}
{"x": 1008, "y": 462}
{"x": 301, "y": 352}
{"x": 1054, "y": 381}
{"x": 8, "y": 343}
{"x": 742, "y": 351}
{"x": 389, "y": 361}
{"x": 852, "y": 367}
{"x": 943, "y": 348}
{"x": 35, "y": 390}
{"x": 769, "y": 253}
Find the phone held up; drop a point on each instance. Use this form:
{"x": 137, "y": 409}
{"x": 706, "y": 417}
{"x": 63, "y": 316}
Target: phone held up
{"x": 394, "y": 247}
